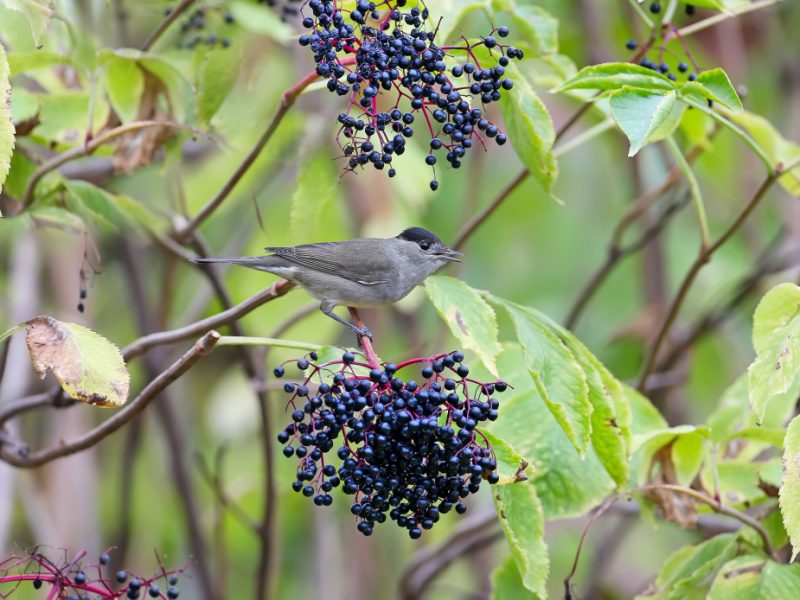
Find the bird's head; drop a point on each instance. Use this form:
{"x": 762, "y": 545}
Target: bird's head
{"x": 425, "y": 246}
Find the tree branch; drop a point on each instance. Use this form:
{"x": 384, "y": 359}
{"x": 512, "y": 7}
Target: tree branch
{"x": 165, "y": 24}
{"x": 25, "y": 459}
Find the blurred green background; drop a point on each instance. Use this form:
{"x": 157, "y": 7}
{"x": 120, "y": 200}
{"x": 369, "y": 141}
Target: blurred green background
{"x": 533, "y": 250}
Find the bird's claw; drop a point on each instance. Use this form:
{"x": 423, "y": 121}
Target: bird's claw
{"x": 364, "y": 332}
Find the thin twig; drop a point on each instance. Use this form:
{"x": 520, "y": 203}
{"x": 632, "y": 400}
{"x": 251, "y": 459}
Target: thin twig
{"x": 724, "y": 16}
{"x": 29, "y": 460}
{"x": 88, "y": 148}
{"x": 703, "y": 257}
{"x": 164, "y": 25}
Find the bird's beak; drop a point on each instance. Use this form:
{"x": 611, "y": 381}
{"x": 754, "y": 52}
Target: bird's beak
{"x": 451, "y": 255}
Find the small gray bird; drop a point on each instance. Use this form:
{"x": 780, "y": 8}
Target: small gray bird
{"x": 363, "y": 272}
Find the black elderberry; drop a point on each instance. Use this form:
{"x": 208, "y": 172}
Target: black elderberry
{"x": 80, "y": 577}
{"x": 655, "y": 7}
{"x": 690, "y": 9}
{"x": 173, "y": 580}
{"x": 683, "y": 67}
{"x": 631, "y": 44}
{"x": 121, "y": 576}
{"x": 37, "y": 584}
{"x": 172, "y": 593}
{"x": 278, "y": 371}
{"x": 302, "y": 364}
{"x": 154, "y": 591}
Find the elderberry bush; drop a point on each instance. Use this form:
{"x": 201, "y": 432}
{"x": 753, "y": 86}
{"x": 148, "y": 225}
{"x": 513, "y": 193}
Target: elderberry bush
{"x": 383, "y": 58}
{"x": 410, "y": 450}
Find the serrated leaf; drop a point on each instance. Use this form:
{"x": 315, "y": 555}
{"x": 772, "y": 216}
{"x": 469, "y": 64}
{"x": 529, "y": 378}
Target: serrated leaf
{"x": 87, "y": 366}
{"x": 217, "y": 75}
{"x": 715, "y": 85}
{"x": 777, "y": 148}
{"x": 530, "y": 128}
{"x": 532, "y": 28}
{"x": 507, "y": 582}
{"x": 566, "y": 484}
{"x": 260, "y": 19}
{"x": 614, "y": 76}
{"x": 509, "y": 463}
{"x": 690, "y": 568}
{"x": 38, "y": 14}
{"x": 469, "y": 317}
{"x": 776, "y": 339}
{"x": 6, "y": 121}
{"x": 124, "y": 83}
{"x": 522, "y": 519}
{"x": 750, "y": 577}
{"x": 790, "y": 490}
{"x": 644, "y": 116}
{"x": 559, "y": 379}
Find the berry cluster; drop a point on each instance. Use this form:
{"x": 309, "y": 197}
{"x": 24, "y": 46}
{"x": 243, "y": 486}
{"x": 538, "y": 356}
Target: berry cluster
{"x": 380, "y": 55}
{"x": 409, "y": 449}
{"x": 195, "y": 28}
{"x": 76, "y": 580}
{"x": 286, "y": 8}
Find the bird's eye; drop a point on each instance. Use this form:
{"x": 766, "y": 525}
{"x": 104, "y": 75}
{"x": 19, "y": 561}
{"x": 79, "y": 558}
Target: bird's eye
{"x": 425, "y": 245}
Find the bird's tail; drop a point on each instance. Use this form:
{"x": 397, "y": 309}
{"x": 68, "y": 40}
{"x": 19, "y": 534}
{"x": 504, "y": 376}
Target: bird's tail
{"x": 253, "y": 262}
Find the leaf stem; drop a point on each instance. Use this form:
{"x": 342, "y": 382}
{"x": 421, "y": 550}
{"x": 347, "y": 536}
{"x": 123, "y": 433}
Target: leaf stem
{"x": 724, "y": 16}
{"x": 694, "y": 188}
{"x": 583, "y": 137}
{"x": 10, "y": 332}
{"x": 164, "y": 25}
{"x": 754, "y": 146}
{"x": 243, "y": 340}
{"x": 642, "y": 14}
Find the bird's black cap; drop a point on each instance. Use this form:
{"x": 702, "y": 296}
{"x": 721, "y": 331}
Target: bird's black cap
{"x": 419, "y": 234}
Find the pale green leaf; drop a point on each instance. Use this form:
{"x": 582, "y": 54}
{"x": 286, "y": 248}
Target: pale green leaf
{"x": 313, "y": 193}
{"x": 88, "y": 367}
{"x": 6, "y": 121}
{"x": 776, "y": 331}
{"x": 697, "y": 126}
{"x": 507, "y": 582}
{"x": 778, "y": 149}
{"x": 532, "y": 28}
{"x": 38, "y": 14}
{"x": 124, "y": 84}
{"x": 469, "y": 317}
{"x": 65, "y": 118}
{"x": 95, "y": 205}
{"x": 688, "y": 454}
{"x": 509, "y": 463}
{"x": 454, "y": 13}
{"x": 691, "y": 568}
{"x": 24, "y": 105}
{"x": 559, "y": 379}
{"x": 28, "y": 61}
{"x": 737, "y": 481}
{"x": 261, "y": 19}
{"x": 645, "y": 116}
{"x": 751, "y": 577}
{"x": 58, "y": 218}
{"x": 529, "y": 128}
{"x": 790, "y": 490}
{"x": 715, "y": 85}
{"x": 217, "y": 75}
{"x": 614, "y": 76}
{"x": 522, "y": 518}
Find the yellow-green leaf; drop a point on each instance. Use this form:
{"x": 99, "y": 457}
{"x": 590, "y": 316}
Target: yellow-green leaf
{"x": 790, "y": 490}
{"x": 6, "y": 122}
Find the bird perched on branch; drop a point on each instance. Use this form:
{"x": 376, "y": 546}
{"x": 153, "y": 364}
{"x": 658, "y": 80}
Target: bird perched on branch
{"x": 364, "y": 272}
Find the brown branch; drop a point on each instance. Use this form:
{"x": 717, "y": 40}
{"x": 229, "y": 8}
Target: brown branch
{"x": 470, "y": 226}
{"x": 364, "y": 340}
{"x": 226, "y": 317}
{"x": 25, "y": 459}
{"x": 703, "y": 257}
{"x": 164, "y": 25}
{"x": 87, "y": 149}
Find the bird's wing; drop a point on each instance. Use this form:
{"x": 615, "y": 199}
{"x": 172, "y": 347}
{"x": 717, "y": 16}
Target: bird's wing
{"x": 329, "y": 257}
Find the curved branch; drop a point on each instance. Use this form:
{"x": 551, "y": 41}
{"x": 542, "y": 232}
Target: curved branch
{"x": 21, "y": 457}
{"x": 164, "y": 25}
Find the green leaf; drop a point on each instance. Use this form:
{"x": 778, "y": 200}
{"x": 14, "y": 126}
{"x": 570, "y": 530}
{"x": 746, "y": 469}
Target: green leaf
{"x": 750, "y": 577}
{"x": 38, "y": 15}
{"x": 87, "y": 366}
{"x": 777, "y": 148}
{"x": 566, "y": 484}
{"x": 715, "y": 4}
{"x": 532, "y": 27}
{"x": 790, "y": 490}
{"x": 66, "y": 117}
{"x": 6, "y": 122}
{"x": 691, "y": 567}
{"x": 58, "y": 218}
{"x": 688, "y": 454}
{"x": 217, "y": 75}
{"x": 645, "y": 116}
{"x": 24, "y": 105}
{"x": 260, "y": 19}
{"x": 714, "y": 85}
{"x": 469, "y": 317}
{"x": 509, "y": 463}
{"x": 25, "y": 62}
{"x": 124, "y": 83}
{"x": 530, "y": 128}
{"x": 614, "y": 76}
{"x": 776, "y": 327}
{"x": 312, "y": 193}
{"x": 696, "y": 126}
{"x": 737, "y": 481}
{"x": 559, "y": 379}
{"x": 454, "y": 13}
{"x": 95, "y": 205}
{"x": 522, "y": 518}
{"x": 507, "y": 582}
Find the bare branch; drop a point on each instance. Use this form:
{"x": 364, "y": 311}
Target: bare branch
{"x": 164, "y": 25}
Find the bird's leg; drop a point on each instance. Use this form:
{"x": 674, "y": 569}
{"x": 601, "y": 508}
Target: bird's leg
{"x": 327, "y": 309}
{"x": 365, "y": 341}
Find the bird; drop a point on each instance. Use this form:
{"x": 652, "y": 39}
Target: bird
{"x": 358, "y": 273}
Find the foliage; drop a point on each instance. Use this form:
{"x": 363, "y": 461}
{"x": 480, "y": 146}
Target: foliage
{"x": 206, "y": 129}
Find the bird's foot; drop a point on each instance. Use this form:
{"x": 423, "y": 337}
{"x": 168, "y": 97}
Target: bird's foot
{"x": 363, "y": 332}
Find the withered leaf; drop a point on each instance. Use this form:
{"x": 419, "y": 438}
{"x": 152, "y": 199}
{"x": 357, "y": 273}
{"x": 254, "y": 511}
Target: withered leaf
{"x": 88, "y": 366}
